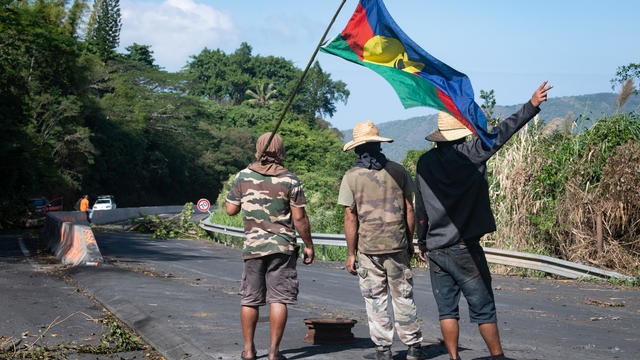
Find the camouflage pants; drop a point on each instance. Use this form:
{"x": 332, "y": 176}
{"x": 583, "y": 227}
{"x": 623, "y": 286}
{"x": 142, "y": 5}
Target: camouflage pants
{"x": 381, "y": 276}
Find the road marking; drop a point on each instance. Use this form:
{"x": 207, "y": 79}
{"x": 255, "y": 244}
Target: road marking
{"x": 205, "y": 273}
{"x": 27, "y": 254}
{"x": 23, "y": 248}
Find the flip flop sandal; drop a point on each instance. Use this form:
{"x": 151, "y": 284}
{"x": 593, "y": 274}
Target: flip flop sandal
{"x": 247, "y": 358}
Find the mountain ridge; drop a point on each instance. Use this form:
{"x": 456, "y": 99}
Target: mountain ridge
{"x": 409, "y": 134}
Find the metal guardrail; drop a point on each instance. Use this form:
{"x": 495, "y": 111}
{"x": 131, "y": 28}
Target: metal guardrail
{"x": 543, "y": 263}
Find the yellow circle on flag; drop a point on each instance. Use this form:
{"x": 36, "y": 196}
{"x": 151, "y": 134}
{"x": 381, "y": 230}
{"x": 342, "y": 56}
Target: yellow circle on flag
{"x": 390, "y": 52}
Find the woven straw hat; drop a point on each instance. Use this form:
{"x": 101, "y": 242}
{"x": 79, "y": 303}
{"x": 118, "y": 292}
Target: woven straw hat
{"x": 364, "y": 132}
{"x": 449, "y": 129}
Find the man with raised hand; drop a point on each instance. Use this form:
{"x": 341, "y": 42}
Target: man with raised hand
{"x": 379, "y": 222}
{"x": 453, "y": 213}
{"x": 273, "y": 206}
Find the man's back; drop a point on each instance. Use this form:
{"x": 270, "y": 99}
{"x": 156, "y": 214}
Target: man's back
{"x": 266, "y": 206}
{"x": 453, "y": 190}
{"x": 455, "y": 195}
{"x": 84, "y": 204}
{"x": 379, "y": 198}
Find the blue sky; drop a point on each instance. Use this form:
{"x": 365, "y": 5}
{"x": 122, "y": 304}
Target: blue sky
{"x": 508, "y": 46}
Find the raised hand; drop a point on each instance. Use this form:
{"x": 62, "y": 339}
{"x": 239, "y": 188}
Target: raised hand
{"x": 540, "y": 95}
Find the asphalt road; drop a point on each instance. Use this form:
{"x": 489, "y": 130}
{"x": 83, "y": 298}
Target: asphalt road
{"x": 181, "y": 297}
{"x": 38, "y": 308}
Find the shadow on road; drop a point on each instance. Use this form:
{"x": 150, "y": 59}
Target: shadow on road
{"x": 311, "y": 350}
{"x": 367, "y": 346}
{"x": 140, "y": 247}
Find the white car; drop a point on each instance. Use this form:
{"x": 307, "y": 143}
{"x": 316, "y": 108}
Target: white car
{"x": 104, "y": 203}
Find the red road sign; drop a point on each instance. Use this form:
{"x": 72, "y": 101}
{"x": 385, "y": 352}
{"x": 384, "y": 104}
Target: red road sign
{"x": 203, "y": 205}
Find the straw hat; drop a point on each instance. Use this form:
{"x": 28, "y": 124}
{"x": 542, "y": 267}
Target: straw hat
{"x": 449, "y": 129}
{"x": 364, "y": 132}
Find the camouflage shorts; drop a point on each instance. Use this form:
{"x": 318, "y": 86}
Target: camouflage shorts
{"x": 381, "y": 276}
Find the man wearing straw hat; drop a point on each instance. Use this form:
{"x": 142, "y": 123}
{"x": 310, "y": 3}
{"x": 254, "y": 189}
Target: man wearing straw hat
{"x": 379, "y": 222}
{"x": 272, "y": 203}
{"x": 453, "y": 212}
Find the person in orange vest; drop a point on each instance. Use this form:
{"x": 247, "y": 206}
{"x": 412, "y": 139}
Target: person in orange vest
{"x": 84, "y": 203}
{"x": 84, "y": 206}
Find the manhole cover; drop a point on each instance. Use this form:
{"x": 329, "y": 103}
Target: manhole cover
{"x": 329, "y": 330}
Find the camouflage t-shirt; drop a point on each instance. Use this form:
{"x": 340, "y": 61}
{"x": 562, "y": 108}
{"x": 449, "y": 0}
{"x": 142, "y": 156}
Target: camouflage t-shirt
{"x": 266, "y": 203}
{"x": 378, "y": 197}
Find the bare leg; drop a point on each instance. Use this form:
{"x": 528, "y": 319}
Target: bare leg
{"x": 278, "y": 320}
{"x": 249, "y": 319}
{"x": 450, "y": 330}
{"x": 491, "y": 337}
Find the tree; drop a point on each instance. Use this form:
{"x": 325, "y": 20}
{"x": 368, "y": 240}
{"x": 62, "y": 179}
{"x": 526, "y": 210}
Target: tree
{"x": 239, "y": 73}
{"x": 74, "y": 17}
{"x": 625, "y": 72}
{"x": 141, "y": 54}
{"x": 226, "y": 79}
{"x": 103, "y": 31}
{"x": 262, "y": 97}
{"x": 207, "y": 75}
{"x": 488, "y": 104}
{"x": 319, "y": 94}
{"x": 45, "y": 145}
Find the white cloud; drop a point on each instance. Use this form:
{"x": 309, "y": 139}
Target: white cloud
{"x": 175, "y": 29}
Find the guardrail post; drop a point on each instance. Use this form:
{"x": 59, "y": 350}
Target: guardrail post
{"x": 324, "y": 258}
{"x": 599, "y": 233}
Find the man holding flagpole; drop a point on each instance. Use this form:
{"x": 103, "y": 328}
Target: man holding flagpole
{"x": 273, "y": 207}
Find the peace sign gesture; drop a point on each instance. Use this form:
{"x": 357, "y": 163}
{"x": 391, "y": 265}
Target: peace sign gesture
{"x": 540, "y": 95}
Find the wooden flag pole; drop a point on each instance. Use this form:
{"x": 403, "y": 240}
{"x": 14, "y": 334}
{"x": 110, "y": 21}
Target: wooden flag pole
{"x": 295, "y": 90}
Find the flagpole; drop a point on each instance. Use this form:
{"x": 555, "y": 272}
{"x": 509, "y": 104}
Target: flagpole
{"x": 295, "y": 90}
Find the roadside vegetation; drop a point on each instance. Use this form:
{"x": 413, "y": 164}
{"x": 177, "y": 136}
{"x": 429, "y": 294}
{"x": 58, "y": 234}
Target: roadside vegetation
{"x": 178, "y": 226}
{"x": 115, "y": 338}
{"x": 571, "y": 194}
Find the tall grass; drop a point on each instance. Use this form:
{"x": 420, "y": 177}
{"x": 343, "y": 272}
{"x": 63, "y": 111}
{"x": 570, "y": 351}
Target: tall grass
{"x": 573, "y": 196}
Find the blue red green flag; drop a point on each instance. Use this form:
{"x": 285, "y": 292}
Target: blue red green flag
{"x": 373, "y": 39}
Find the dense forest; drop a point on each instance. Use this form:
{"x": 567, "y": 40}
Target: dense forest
{"x": 78, "y": 117}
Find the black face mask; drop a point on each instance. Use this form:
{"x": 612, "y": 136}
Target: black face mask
{"x": 370, "y": 156}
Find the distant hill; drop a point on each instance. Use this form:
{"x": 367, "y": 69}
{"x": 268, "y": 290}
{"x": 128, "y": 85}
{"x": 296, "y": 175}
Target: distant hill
{"x": 409, "y": 134}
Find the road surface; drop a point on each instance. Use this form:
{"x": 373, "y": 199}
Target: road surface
{"x": 181, "y": 297}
